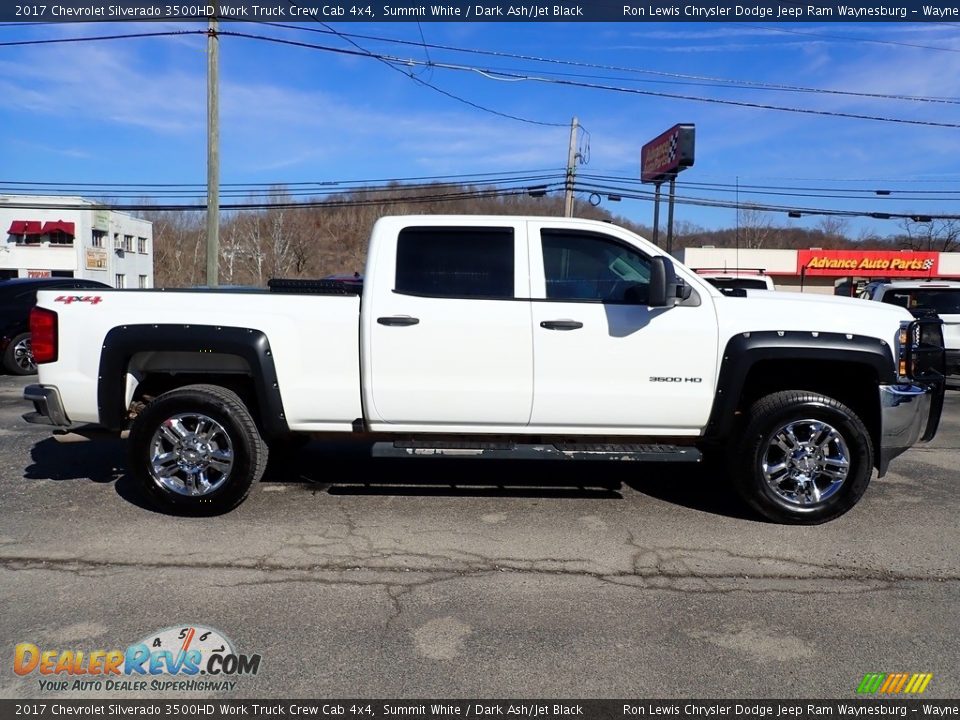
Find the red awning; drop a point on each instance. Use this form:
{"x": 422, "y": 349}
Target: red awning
{"x": 65, "y": 227}
{"x": 28, "y": 227}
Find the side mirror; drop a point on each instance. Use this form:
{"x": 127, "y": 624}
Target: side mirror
{"x": 663, "y": 283}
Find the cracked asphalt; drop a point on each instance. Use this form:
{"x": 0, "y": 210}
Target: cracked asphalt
{"x": 479, "y": 579}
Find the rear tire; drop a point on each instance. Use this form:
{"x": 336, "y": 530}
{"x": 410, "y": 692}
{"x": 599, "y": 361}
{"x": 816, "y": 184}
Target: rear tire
{"x": 197, "y": 449}
{"x": 804, "y": 458}
{"x": 18, "y": 358}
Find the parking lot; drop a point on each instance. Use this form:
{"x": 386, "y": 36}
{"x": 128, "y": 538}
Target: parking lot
{"x": 486, "y": 578}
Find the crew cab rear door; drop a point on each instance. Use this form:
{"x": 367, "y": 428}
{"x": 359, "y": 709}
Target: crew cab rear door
{"x": 605, "y": 362}
{"x": 446, "y": 323}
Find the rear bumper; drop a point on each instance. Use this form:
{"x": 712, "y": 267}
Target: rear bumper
{"x": 909, "y": 413}
{"x": 48, "y": 410}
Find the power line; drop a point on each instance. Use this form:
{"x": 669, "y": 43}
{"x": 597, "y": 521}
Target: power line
{"x": 702, "y": 80}
{"x": 327, "y": 203}
{"x": 503, "y": 75}
{"x": 500, "y": 173}
{"x": 490, "y": 193}
{"x": 634, "y": 194}
{"x": 297, "y": 189}
{"x": 433, "y": 87}
{"x": 847, "y": 38}
{"x": 718, "y": 101}
{"x": 815, "y": 192}
{"x": 423, "y": 42}
{"x": 874, "y": 181}
{"x": 515, "y": 75}
{"x": 331, "y": 188}
{"x": 128, "y": 36}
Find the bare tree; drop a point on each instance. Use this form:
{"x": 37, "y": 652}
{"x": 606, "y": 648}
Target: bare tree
{"x": 177, "y": 241}
{"x": 835, "y": 230}
{"x": 931, "y": 235}
{"x": 756, "y": 227}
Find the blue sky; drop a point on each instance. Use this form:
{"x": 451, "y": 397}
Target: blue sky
{"x": 133, "y": 111}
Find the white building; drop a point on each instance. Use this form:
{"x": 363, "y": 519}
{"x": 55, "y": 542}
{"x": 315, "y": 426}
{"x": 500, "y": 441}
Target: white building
{"x": 75, "y": 239}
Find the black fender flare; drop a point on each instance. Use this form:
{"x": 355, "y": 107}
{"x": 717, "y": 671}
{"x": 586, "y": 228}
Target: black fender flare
{"x": 744, "y": 350}
{"x": 125, "y": 341}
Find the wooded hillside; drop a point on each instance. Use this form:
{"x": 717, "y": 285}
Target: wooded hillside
{"x": 290, "y": 237}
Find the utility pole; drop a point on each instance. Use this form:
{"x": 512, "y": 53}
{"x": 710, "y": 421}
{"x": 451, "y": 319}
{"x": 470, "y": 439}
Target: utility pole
{"x": 571, "y": 169}
{"x": 213, "y": 152}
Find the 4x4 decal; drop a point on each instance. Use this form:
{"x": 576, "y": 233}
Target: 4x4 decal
{"x": 67, "y": 299}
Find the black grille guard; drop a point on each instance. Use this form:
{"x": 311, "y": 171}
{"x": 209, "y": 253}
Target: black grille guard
{"x": 927, "y": 362}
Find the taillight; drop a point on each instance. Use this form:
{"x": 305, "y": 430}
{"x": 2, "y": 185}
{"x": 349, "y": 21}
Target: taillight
{"x": 43, "y": 335}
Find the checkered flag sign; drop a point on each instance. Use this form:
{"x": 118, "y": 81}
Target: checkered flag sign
{"x": 668, "y": 154}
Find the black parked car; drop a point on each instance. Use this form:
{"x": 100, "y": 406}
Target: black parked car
{"x": 17, "y": 297}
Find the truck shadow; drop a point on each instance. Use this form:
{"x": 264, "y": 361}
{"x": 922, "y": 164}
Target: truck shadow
{"x": 103, "y": 461}
{"x": 345, "y": 469}
{"x": 349, "y": 470}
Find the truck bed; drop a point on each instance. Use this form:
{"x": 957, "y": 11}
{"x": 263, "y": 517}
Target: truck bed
{"x": 313, "y": 334}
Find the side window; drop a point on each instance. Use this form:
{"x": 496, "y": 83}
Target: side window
{"x": 456, "y": 262}
{"x": 897, "y": 298}
{"x": 587, "y": 266}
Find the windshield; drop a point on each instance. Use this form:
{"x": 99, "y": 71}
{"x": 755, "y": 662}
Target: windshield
{"x": 943, "y": 301}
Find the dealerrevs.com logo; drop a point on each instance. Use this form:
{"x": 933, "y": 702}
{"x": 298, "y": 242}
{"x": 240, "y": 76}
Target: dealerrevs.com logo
{"x": 184, "y": 658}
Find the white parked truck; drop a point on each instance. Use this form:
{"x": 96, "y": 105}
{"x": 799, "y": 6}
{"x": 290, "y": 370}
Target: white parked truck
{"x": 506, "y": 337}
{"x": 940, "y": 297}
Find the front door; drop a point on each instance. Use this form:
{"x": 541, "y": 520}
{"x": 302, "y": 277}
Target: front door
{"x": 606, "y": 362}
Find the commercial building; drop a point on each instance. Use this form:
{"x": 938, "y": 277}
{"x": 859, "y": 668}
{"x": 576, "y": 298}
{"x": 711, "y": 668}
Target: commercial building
{"x": 77, "y": 238}
{"x": 825, "y": 271}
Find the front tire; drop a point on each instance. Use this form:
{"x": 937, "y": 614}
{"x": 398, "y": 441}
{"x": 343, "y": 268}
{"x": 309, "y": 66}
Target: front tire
{"x": 804, "y": 459}
{"x": 18, "y": 358}
{"x": 197, "y": 449}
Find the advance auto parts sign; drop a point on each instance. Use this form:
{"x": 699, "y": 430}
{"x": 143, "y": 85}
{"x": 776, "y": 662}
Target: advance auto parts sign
{"x": 867, "y": 263}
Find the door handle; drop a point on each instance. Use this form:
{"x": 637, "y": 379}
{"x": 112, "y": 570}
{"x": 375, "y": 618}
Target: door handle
{"x": 398, "y": 320}
{"x": 561, "y": 324}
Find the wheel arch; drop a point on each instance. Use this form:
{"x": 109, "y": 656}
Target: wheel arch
{"x": 846, "y": 367}
{"x": 138, "y": 360}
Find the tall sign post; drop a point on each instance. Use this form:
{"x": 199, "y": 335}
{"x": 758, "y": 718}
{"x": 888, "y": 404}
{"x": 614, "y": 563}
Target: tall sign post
{"x": 662, "y": 159}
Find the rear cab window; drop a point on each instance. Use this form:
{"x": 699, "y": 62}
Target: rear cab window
{"x": 456, "y": 262}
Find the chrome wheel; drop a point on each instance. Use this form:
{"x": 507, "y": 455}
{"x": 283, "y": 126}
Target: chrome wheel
{"x": 23, "y": 356}
{"x": 191, "y": 454}
{"x": 805, "y": 462}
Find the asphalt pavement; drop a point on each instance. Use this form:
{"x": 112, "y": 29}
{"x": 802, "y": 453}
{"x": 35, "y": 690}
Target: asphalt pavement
{"x": 425, "y": 578}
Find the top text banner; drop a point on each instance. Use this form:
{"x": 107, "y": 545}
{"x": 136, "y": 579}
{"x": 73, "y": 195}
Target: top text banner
{"x": 457, "y": 11}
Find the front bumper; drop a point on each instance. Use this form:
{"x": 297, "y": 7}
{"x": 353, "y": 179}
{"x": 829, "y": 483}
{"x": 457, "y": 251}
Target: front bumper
{"x": 48, "y": 410}
{"x": 909, "y": 413}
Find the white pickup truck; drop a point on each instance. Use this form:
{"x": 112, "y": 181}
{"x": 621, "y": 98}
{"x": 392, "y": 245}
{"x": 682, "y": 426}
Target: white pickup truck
{"x": 506, "y": 337}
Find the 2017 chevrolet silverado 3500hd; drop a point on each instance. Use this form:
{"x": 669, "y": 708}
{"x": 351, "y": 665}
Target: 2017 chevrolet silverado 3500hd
{"x": 497, "y": 337}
